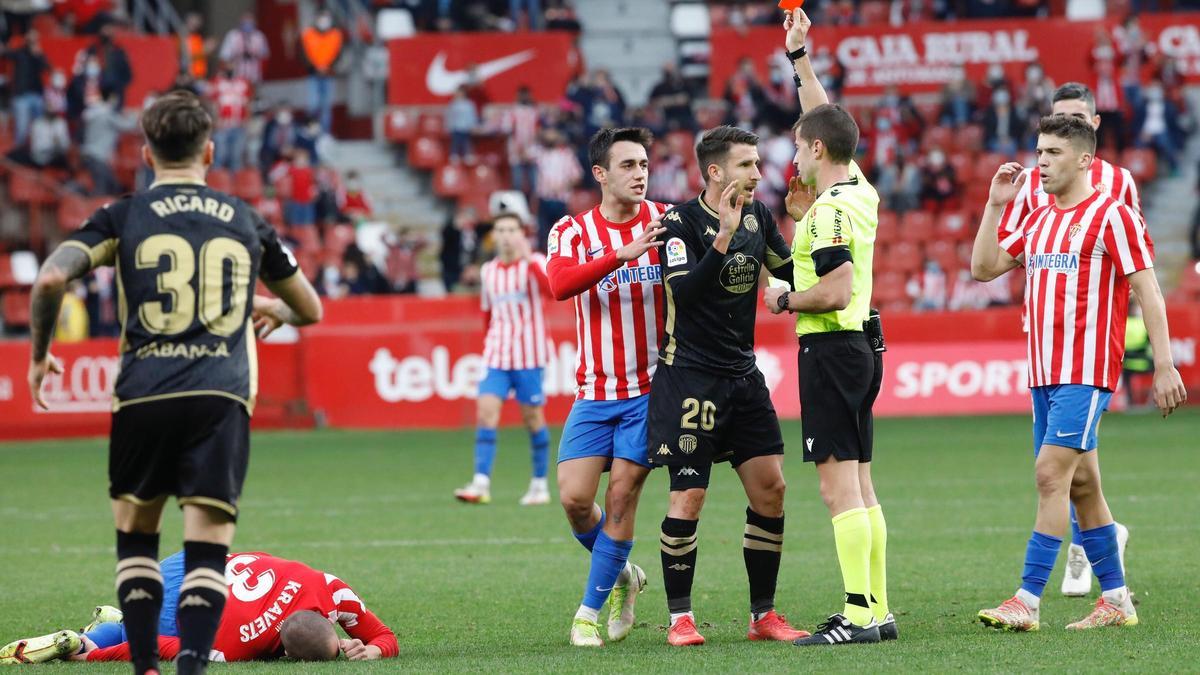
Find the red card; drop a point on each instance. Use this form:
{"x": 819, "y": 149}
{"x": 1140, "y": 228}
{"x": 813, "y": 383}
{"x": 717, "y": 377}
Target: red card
{"x": 790, "y": 5}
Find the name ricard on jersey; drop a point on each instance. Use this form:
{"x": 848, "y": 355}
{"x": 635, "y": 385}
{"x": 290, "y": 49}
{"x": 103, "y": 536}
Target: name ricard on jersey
{"x": 185, "y": 203}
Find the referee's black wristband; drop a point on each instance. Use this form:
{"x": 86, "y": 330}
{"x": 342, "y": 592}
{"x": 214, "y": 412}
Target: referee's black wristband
{"x": 798, "y": 54}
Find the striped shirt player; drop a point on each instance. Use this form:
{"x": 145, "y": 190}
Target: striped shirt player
{"x": 1105, "y": 176}
{"x": 511, "y": 296}
{"x": 1077, "y": 294}
{"x": 264, "y": 591}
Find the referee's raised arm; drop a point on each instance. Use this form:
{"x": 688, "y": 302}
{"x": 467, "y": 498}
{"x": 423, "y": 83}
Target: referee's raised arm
{"x": 808, "y": 86}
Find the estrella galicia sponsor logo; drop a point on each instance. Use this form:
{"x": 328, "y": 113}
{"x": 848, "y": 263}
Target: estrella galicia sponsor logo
{"x": 1058, "y": 263}
{"x": 740, "y": 273}
{"x": 623, "y": 276}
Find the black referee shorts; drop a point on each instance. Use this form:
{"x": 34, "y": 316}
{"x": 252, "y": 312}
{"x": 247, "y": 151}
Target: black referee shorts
{"x": 840, "y": 378}
{"x": 194, "y": 447}
{"x": 696, "y": 419}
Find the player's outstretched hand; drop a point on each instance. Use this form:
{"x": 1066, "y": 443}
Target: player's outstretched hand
{"x": 1006, "y": 184}
{"x": 642, "y": 243}
{"x": 800, "y": 198}
{"x": 732, "y": 201}
{"x": 1169, "y": 392}
{"x": 796, "y": 23}
{"x": 355, "y": 650}
{"x": 771, "y": 298}
{"x": 37, "y": 373}
{"x": 268, "y": 314}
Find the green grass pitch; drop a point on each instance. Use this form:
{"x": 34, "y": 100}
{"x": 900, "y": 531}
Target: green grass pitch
{"x": 493, "y": 589}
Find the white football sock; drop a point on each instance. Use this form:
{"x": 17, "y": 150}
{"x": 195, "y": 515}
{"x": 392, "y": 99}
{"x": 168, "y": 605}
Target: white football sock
{"x": 675, "y": 617}
{"x": 482, "y": 480}
{"x": 1117, "y": 596}
{"x": 1031, "y": 600}
{"x": 588, "y": 613}
{"x": 539, "y": 484}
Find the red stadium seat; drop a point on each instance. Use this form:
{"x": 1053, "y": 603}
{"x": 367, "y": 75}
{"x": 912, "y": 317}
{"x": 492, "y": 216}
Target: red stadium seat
{"x": 450, "y": 181}
{"x": 27, "y": 188}
{"x": 72, "y": 211}
{"x": 7, "y": 280}
{"x": 338, "y": 238}
{"x": 905, "y": 257}
{"x": 1142, "y": 163}
{"x": 963, "y": 164}
{"x": 431, "y": 125}
{"x": 888, "y": 290}
{"x": 969, "y": 138}
{"x": 426, "y": 153}
{"x": 581, "y": 200}
{"x": 944, "y": 253}
{"x": 888, "y": 232}
{"x": 484, "y": 179}
{"x": 15, "y": 308}
{"x": 937, "y": 137}
{"x": 307, "y": 238}
{"x": 873, "y": 12}
{"x": 248, "y": 185}
{"x": 954, "y": 226}
{"x": 400, "y": 126}
{"x": 916, "y": 226}
{"x": 220, "y": 180}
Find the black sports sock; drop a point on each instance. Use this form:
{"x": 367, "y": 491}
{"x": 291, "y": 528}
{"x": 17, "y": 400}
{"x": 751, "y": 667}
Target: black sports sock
{"x": 678, "y": 547}
{"x": 139, "y": 594}
{"x": 762, "y": 546}
{"x": 201, "y": 601}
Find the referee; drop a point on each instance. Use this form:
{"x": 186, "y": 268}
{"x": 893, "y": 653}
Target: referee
{"x": 840, "y": 366}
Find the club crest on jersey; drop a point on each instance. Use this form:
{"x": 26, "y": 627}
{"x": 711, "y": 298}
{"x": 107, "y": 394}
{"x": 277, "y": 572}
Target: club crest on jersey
{"x": 1073, "y": 231}
{"x": 676, "y": 252}
{"x": 750, "y": 222}
{"x": 687, "y": 444}
{"x": 1103, "y": 188}
{"x": 552, "y": 243}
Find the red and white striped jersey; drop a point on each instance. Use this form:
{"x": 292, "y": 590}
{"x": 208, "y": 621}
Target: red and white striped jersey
{"x": 232, "y": 99}
{"x": 1107, "y": 178}
{"x": 1076, "y": 292}
{"x": 512, "y": 295}
{"x": 619, "y": 321}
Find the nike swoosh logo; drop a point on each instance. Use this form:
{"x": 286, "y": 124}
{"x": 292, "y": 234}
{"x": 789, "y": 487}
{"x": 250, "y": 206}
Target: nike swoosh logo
{"x": 1062, "y": 435}
{"x": 603, "y": 590}
{"x": 443, "y": 82}
{"x": 596, "y": 251}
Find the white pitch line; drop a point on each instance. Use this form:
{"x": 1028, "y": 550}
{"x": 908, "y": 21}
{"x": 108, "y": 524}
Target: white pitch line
{"x": 372, "y": 543}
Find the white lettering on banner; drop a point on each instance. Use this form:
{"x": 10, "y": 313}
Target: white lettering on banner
{"x": 6, "y": 389}
{"x": 961, "y": 379}
{"x": 85, "y": 386}
{"x": 419, "y": 378}
{"x": 1182, "y": 43}
{"x": 1183, "y": 350}
{"x": 895, "y": 59}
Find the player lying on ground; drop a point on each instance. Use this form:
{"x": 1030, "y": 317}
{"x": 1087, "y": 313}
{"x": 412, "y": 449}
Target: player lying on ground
{"x": 515, "y": 350}
{"x": 1082, "y": 254}
{"x": 277, "y": 608}
{"x": 606, "y": 260}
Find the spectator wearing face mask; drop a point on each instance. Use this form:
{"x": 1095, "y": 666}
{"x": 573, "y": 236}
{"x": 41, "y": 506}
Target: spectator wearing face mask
{"x": 29, "y": 65}
{"x": 55, "y": 95}
{"x": 245, "y": 47}
{"x": 940, "y": 186}
{"x": 103, "y": 124}
{"x": 115, "y": 72}
{"x": 322, "y": 43}
{"x": 278, "y": 133}
{"x": 47, "y": 143}
{"x": 1157, "y": 120}
{"x": 1003, "y": 125}
{"x": 231, "y": 97}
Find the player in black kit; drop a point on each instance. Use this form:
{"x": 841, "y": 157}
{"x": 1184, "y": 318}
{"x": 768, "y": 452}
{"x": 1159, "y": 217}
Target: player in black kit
{"x": 187, "y": 259}
{"x": 708, "y": 401}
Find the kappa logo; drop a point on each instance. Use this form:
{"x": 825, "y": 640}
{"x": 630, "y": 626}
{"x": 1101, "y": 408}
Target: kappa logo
{"x": 679, "y": 567}
{"x": 193, "y": 600}
{"x": 138, "y": 594}
{"x": 443, "y": 82}
{"x": 688, "y": 471}
{"x": 808, "y": 442}
{"x": 709, "y": 231}
{"x": 663, "y": 450}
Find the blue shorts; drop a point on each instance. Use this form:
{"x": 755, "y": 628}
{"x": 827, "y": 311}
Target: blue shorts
{"x": 612, "y": 429}
{"x": 111, "y": 634}
{"x": 526, "y": 383}
{"x": 1067, "y": 415}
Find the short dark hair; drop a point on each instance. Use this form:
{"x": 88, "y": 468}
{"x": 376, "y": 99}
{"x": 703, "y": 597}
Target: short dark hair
{"x": 714, "y": 145}
{"x": 833, "y": 126}
{"x": 505, "y": 215}
{"x": 1074, "y": 91}
{"x": 308, "y": 636}
{"x": 1078, "y": 132}
{"x": 177, "y": 126}
{"x": 600, "y": 147}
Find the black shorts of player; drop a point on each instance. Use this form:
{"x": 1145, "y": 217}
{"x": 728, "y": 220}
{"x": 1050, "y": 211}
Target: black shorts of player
{"x": 194, "y": 447}
{"x": 840, "y": 377}
{"x": 697, "y": 419}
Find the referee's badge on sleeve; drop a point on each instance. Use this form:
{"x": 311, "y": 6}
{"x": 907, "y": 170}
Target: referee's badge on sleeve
{"x": 676, "y": 252}
{"x": 552, "y": 242}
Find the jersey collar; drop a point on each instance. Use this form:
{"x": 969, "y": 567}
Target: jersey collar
{"x": 623, "y": 227}
{"x": 177, "y": 181}
{"x": 704, "y": 205}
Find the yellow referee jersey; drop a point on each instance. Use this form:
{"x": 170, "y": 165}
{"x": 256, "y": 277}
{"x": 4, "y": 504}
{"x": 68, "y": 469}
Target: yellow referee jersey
{"x": 844, "y": 216}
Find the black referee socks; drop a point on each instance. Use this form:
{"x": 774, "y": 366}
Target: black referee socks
{"x": 139, "y": 594}
{"x": 201, "y": 601}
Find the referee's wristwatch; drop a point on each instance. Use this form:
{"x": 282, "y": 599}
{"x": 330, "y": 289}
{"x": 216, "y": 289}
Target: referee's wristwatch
{"x": 784, "y": 301}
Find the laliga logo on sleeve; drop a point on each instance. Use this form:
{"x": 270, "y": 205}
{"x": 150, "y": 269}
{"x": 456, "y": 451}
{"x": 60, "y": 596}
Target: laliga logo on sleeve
{"x": 676, "y": 252}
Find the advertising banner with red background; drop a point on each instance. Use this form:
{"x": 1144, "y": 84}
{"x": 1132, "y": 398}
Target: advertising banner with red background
{"x": 428, "y": 69}
{"x": 153, "y": 60}
{"x": 409, "y": 363}
{"x": 921, "y": 57}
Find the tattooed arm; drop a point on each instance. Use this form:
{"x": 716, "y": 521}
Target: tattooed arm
{"x": 65, "y": 265}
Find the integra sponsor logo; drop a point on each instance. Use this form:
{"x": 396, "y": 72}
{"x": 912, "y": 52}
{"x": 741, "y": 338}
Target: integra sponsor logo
{"x": 1062, "y": 263}
{"x": 643, "y": 274}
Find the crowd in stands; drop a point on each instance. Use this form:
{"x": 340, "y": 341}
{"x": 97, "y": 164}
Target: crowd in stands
{"x": 487, "y": 15}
